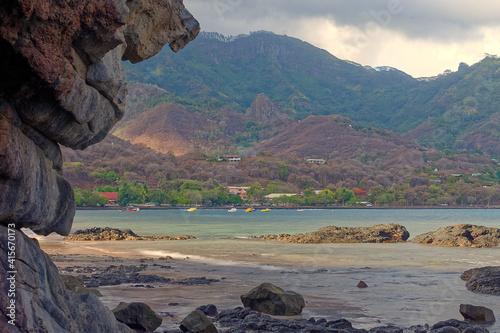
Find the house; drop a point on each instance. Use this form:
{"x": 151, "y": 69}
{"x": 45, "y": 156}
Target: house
{"x": 240, "y": 190}
{"x": 112, "y": 197}
{"x": 230, "y": 158}
{"x": 316, "y": 160}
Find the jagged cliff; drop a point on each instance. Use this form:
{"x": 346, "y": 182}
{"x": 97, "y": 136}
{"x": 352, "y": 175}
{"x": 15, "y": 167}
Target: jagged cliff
{"x": 61, "y": 83}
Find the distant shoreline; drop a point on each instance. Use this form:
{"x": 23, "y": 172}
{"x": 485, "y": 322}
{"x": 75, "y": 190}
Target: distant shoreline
{"x": 288, "y": 208}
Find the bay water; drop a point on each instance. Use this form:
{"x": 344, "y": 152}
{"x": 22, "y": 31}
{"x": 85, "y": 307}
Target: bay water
{"x": 408, "y": 283}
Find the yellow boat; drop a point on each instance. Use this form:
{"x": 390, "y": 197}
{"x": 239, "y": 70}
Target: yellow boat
{"x": 248, "y": 210}
{"x": 266, "y": 210}
{"x": 192, "y": 209}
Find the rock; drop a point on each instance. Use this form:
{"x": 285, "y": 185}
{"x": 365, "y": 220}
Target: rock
{"x": 387, "y": 233}
{"x": 138, "y": 316}
{"x": 464, "y": 235}
{"x": 267, "y": 298}
{"x": 453, "y": 325}
{"x": 485, "y": 280}
{"x": 209, "y": 310}
{"x": 75, "y": 284}
{"x": 112, "y": 234}
{"x": 197, "y": 322}
{"x": 362, "y": 284}
{"x": 477, "y": 314}
{"x": 42, "y": 299}
{"x": 63, "y": 83}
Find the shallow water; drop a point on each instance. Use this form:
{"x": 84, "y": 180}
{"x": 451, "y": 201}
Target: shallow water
{"x": 408, "y": 283}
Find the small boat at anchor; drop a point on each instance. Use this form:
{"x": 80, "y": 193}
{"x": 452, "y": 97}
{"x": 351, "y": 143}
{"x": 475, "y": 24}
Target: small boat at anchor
{"x": 232, "y": 210}
{"x": 131, "y": 209}
{"x": 265, "y": 210}
{"x": 248, "y": 210}
{"x": 192, "y": 209}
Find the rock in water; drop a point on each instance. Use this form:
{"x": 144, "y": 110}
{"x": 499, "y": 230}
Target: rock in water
{"x": 42, "y": 299}
{"x": 464, "y": 235}
{"x": 138, "y": 316}
{"x": 362, "y": 284}
{"x": 270, "y": 299}
{"x": 197, "y": 322}
{"x": 381, "y": 233}
{"x": 477, "y": 314}
{"x": 484, "y": 280}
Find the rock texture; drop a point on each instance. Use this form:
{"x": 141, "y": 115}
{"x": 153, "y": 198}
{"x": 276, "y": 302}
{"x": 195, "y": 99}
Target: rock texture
{"x": 138, "y": 316}
{"x": 465, "y": 235}
{"x": 484, "y": 280}
{"x": 477, "y": 314}
{"x": 268, "y": 298}
{"x": 62, "y": 83}
{"x": 108, "y": 234}
{"x": 242, "y": 320}
{"x": 42, "y": 301}
{"x": 75, "y": 284}
{"x": 197, "y": 322}
{"x": 381, "y": 233}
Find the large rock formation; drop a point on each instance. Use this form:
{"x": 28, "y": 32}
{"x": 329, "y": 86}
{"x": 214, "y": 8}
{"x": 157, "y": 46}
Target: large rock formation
{"x": 381, "y": 233}
{"x": 464, "y": 235}
{"x": 61, "y": 82}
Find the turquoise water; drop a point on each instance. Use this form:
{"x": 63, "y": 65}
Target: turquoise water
{"x": 408, "y": 283}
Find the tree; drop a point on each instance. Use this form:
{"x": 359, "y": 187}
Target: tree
{"x": 89, "y": 198}
{"x": 132, "y": 193}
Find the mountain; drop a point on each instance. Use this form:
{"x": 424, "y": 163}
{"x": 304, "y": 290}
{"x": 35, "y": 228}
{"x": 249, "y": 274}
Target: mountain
{"x": 458, "y": 110}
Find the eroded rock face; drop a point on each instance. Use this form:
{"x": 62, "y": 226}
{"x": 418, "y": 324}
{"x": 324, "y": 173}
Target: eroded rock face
{"x": 42, "y": 301}
{"x": 62, "y": 83}
{"x": 484, "y": 280}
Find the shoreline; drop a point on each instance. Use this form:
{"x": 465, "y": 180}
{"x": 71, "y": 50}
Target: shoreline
{"x": 293, "y": 208}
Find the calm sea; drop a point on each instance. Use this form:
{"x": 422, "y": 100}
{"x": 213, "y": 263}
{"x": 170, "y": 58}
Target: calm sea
{"x": 408, "y": 283}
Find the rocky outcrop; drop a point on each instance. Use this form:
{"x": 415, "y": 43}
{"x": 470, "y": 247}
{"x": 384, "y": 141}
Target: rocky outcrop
{"x": 375, "y": 234}
{"x": 111, "y": 234}
{"x": 75, "y": 284}
{"x": 477, "y": 314}
{"x": 268, "y": 298}
{"x": 484, "y": 280}
{"x": 263, "y": 110}
{"x": 138, "y": 316}
{"x": 62, "y": 82}
{"x": 245, "y": 320}
{"x": 464, "y": 235}
{"x": 42, "y": 302}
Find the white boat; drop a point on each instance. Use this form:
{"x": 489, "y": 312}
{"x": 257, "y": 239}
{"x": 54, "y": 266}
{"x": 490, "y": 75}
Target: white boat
{"x": 300, "y": 210}
{"x": 232, "y": 210}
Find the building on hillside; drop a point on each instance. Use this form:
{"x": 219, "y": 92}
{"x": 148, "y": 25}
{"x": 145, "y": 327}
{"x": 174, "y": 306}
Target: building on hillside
{"x": 316, "y": 160}
{"x": 240, "y": 190}
{"x": 230, "y": 158}
{"x": 112, "y": 197}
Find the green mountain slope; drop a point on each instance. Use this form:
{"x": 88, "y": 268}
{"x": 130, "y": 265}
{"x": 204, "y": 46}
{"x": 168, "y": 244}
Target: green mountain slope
{"x": 304, "y": 80}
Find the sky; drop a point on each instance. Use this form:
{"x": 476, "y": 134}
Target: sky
{"x": 420, "y": 37}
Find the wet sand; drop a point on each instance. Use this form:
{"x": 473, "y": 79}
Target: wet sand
{"x": 174, "y": 302}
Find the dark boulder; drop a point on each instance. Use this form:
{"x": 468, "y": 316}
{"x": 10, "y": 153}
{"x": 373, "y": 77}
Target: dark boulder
{"x": 137, "y": 316}
{"x": 484, "y": 280}
{"x": 477, "y": 314}
{"x": 270, "y": 299}
{"x": 197, "y": 322}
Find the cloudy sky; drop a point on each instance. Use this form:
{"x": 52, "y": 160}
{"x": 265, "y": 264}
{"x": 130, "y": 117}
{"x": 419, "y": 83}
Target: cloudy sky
{"x": 420, "y": 37}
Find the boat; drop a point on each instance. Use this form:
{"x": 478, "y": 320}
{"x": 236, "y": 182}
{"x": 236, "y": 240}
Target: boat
{"x": 248, "y": 210}
{"x": 192, "y": 209}
{"x": 265, "y": 210}
{"x": 232, "y": 210}
{"x": 131, "y": 209}
{"x": 300, "y": 210}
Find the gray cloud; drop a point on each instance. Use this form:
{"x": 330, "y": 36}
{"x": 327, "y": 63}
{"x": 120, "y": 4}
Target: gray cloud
{"x": 446, "y": 20}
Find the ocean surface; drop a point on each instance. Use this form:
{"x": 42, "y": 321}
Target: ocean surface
{"x": 408, "y": 283}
